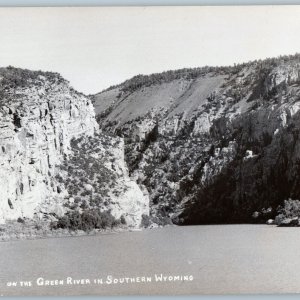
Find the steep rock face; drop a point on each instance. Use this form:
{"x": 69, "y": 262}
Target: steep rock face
{"x": 38, "y": 119}
{"x": 41, "y": 118}
{"x": 211, "y": 145}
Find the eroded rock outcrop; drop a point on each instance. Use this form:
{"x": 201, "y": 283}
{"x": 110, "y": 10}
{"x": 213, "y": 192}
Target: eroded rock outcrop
{"x": 40, "y": 114}
{"x": 38, "y": 119}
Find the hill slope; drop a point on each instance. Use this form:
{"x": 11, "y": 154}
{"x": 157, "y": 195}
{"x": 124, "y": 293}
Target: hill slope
{"x": 212, "y": 145}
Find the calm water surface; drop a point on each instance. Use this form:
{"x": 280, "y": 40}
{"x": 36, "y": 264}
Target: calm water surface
{"x": 221, "y": 259}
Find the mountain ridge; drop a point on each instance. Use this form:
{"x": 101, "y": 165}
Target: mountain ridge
{"x": 195, "y": 160}
{"x": 145, "y": 79}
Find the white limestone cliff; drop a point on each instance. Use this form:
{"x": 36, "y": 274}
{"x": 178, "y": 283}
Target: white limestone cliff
{"x": 38, "y": 121}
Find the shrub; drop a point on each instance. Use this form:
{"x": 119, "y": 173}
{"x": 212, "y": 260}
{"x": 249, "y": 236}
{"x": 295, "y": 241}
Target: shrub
{"x": 84, "y": 205}
{"x": 146, "y": 222}
{"x": 107, "y": 220}
{"x": 73, "y": 206}
{"x": 95, "y": 201}
{"x": 85, "y": 193}
{"x": 290, "y": 209}
{"x": 166, "y": 221}
{"x": 90, "y": 220}
{"x": 63, "y": 222}
{"x": 20, "y": 220}
{"x": 76, "y": 200}
{"x": 38, "y": 226}
{"x": 59, "y": 178}
{"x": 123, "y": 220}
{"x": 87, "y": 220}
{"x": 74, "y": 220}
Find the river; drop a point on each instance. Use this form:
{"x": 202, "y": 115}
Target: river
{"x": 214, "y": 260}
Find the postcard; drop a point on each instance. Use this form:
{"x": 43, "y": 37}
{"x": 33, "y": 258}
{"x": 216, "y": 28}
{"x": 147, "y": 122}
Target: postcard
{"x": 149, "y": 150}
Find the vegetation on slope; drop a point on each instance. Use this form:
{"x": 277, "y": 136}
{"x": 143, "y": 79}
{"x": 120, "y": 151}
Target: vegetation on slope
{"x": 196, "y": 177}
{"x": 11, "y": 77}
{"x": 140, "y": 81}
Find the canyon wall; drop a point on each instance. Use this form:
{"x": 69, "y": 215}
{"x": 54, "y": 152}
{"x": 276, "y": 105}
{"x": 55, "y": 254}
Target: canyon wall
{"x": 211, "y": 145}
{"x": 40, "y": 116}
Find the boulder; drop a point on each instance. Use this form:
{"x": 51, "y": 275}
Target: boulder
{"x": 58, "y": 210}
{"x": 278, "y": 219}
{"x": 285, "y": 222}
{"x": 153, "y": 226}
{"x": 289, "y": 222}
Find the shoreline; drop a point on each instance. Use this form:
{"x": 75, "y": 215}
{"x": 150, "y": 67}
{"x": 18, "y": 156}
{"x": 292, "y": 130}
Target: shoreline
{"x": 14, "y": 231}
{"x": 47, "y": 233}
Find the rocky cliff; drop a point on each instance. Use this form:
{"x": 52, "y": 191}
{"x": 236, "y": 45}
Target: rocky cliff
{"x": 41, "y": 119}
{"x": 211, "y": 145}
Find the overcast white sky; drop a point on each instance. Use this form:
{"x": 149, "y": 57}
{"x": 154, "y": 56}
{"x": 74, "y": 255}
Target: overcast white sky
{"x": 97, "y": 47}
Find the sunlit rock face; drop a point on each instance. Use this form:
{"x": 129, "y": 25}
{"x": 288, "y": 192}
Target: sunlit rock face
{"x": 41, "y": 118}
{"x": 211, "y": 145}
{"x": 38, "y": 119}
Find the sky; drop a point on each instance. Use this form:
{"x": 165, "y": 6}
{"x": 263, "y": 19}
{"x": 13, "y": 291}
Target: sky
{"x": 97, "y": 47}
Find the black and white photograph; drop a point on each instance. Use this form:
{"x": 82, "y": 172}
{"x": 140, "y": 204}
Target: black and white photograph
{"x": 149, "y": 150}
